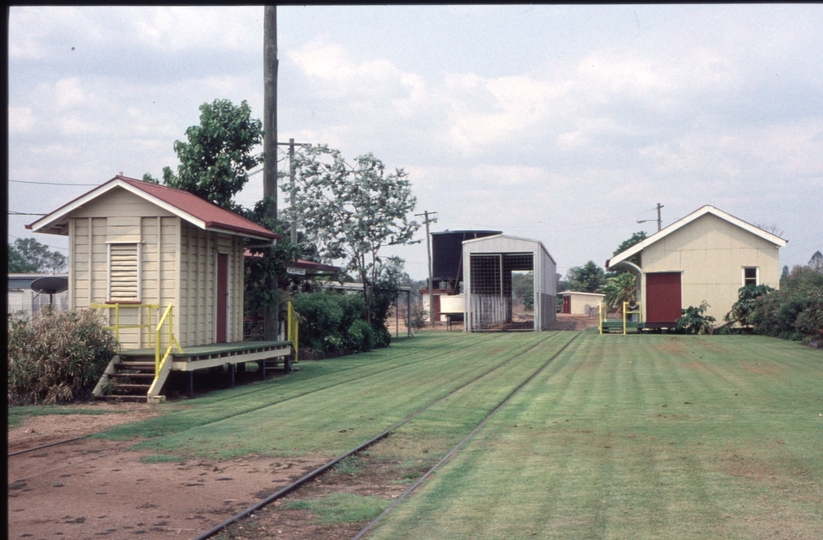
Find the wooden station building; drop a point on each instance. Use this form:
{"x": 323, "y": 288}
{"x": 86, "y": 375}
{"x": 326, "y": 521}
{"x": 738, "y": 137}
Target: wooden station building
{"x": 145, "y": 252}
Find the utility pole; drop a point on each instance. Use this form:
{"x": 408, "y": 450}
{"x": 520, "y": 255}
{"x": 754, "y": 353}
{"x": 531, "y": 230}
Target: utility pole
{"x": 426, "y": 214}
{"x": 291, "y": 179}
{"x": 270, "y": 65}
{"x": 659, "y": 221}
{"x": 292, "y": 144}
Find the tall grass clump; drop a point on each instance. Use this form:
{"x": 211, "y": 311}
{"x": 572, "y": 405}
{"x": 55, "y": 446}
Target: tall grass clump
{"x": 56, "y": 356}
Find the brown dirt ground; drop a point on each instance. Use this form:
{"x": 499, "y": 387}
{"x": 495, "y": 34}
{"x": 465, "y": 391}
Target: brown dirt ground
{"x": 93, "y": 488}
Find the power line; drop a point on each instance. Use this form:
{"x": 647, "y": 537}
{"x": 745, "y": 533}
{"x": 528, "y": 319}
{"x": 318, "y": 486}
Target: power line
{"x": 50, "y": 183}
{"x": 13, "y": 213}
{"x": 53, "y": 247}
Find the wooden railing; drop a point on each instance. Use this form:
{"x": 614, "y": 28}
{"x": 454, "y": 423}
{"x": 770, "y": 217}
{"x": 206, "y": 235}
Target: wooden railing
{"x": 171, "y": 342}
{"x": 293, "y": 330}
{"x": 117, "y": 326}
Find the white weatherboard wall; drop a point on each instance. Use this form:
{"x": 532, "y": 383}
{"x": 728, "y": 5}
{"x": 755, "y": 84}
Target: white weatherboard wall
{"x": 544, "y": 268}
{"x": 712, "y": 253}
{"x": 177, "y": 266}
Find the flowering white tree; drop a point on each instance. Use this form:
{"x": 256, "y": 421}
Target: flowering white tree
{"x": 351, "y": 212}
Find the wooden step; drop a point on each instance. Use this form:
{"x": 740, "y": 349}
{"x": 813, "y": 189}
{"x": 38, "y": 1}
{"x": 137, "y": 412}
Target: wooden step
{"x": 136, "y": 365}
{"x": 136, "y": 375}
{"x": 129, "y": 386}
{"x": 122, "y": 397}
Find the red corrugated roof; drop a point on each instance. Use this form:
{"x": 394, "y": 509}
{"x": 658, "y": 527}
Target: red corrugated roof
{"x": 186, "y": 205}
{"x": 213, "y": 216}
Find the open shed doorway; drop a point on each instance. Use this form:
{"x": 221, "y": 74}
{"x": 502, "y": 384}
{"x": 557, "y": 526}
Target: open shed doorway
{"x": 493, "y": 265}
{"x": 497, "y": 305}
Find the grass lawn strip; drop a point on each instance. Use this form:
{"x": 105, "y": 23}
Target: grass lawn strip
{"x": 312, "y": 376}
{"x": 641, "y": 437}
{"x": 388, "y": 467}
{"x": 335, "y": 419}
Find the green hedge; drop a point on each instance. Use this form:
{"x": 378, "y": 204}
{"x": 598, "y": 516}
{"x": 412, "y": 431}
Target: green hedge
{"x": 793, "y": 314}
{"x": 332, "y": 323}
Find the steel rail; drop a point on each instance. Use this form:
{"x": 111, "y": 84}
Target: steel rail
{"x": 347, "y": 381}
{"x": 64, "y": 441}
{"x": 265, "y": 389}
{"x": 322, "y": 469}
{"x": 454, "y": 449}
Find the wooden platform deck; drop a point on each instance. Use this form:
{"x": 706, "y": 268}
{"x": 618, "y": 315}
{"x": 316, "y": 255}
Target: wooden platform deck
{"x": 217, "y": 354}
{"x": 132, "y": 370}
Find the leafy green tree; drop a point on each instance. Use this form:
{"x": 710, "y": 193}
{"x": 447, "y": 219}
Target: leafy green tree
{"x": 816, "y": 262}
{"x": 746, "y": 303}
{"x": 620, "y": 288}
{"x": 28, "y": 255}
{"x": 636, "y": 238}
{"x": 586, "y": 278}
{"x": 621, "y": 283}
{"x": 215, "y": 161}
{"x": 350, "y": 213}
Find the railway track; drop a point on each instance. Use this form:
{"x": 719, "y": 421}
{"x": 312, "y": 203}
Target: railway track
{"x": 275, "y": 399}
{"x": 328, "y": 466}
{"x": 318, "y": 471}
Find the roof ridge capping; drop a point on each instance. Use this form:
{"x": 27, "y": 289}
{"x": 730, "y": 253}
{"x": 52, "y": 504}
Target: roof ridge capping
{"x": 700, "y": 212}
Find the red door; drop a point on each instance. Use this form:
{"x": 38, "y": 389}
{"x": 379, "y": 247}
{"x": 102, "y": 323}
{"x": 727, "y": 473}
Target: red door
{"x": 222, "y": 296}
{"x": 663, "y": 302}
{"x": 567, "y": 304}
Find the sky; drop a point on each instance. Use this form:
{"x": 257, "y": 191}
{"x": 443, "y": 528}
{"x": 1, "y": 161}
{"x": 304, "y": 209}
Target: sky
{"x": 563, "y": 124}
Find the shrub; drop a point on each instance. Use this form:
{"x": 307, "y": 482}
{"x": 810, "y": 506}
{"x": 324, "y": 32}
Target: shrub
{"x": 332, "y": 323}
{"x": 382, "y": 337}
{"x": 419, "y": 317}
{"x": 322, "y": 316}
{"x": 360, "y": 336}
{"x": 693, "y": 321}
{"x": 791, "y": 314}
{"x": 57, "y": 357}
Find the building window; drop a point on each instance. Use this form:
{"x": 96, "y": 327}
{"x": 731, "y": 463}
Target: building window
{"x": 124, "y": 272}
{"x": 750, "y": 276}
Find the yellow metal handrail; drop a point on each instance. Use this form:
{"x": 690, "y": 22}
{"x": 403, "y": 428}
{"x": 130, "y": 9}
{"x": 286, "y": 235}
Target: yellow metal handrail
{"x": 293, "y": 330}
{"x": 626, "y": 311}
{"x": 117, "y": 326}
{"x": 158, "y": 362}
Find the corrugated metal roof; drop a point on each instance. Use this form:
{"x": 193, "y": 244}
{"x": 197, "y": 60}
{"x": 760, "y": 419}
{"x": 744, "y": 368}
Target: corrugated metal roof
{"x": 185, "y": 205}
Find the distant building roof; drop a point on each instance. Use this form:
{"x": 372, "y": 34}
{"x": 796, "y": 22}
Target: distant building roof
{"x": 199, "y": 212}
{"x": 682, "y": 222}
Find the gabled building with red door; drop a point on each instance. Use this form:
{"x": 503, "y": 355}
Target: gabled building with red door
{"x": 705, "y": 256}
{"x": 136, "y": 243}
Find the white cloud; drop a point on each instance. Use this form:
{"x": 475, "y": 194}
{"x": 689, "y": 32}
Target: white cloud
{"x": 21, "y": 120}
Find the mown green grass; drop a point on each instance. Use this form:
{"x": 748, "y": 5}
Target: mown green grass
{"x": 336, "y": 418}
{"x": 342, "y": 508}
{"x": 641, "y": 437}
{"x": 16, "y": 415}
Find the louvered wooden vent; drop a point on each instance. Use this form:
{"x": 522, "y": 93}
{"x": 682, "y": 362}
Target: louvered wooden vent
{"x": 124, "y": 272}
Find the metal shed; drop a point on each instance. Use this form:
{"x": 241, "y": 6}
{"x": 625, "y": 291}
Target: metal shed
{"x": 489, "y": 266}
